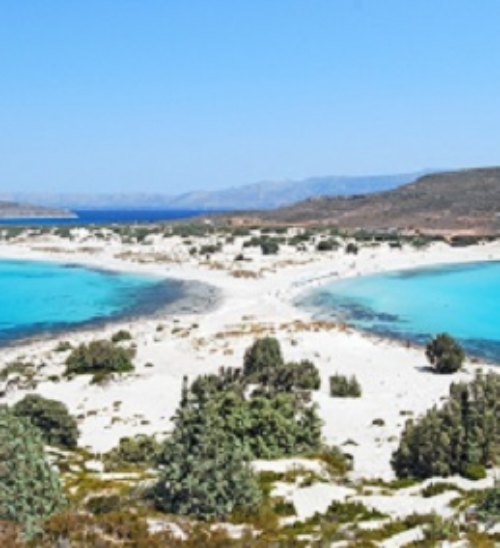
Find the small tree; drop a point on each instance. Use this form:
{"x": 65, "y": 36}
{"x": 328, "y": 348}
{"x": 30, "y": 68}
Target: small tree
{"x": 445, "y": 354}
{"x": 262, "y": 358}
{"x": 462, "y": 437}
{"x": 30, "y": 490}
{"x": 205, "y": 472}
{"x": 51, "y": 417}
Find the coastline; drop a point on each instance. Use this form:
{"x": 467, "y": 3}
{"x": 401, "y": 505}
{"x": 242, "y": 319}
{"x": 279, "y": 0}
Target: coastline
{"x": 393, "y": 376}
{"x": 318, "y": 302}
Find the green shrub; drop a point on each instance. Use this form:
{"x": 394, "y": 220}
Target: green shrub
{"x": 352, "y": 249}
{"x": 438, "y": 488}
{"x": 51, "y": 417}
{"x": 269, "y": 247}
{"x": 205, "y": 473}
{"x": 63, "y": 346}
{"x": 18, "y": 367}
{"x": 462, "y": 437}
{"x": 103, "y": 504}
{"x": 488, "y": 508}
{"x": 465, "y": 240}
{"x": 138, "y": 450}
{"x": 221, "y": 425}
{"x": 474, "y": 471}
{"x": 99, "y": 357}
{"x": 337, "y": 462}
{"x": 440, "y": 529}
{"x": 342, "y": 386}
{"x": 121, "y": 335}
{"x": 327, "y": 245}
{"x": 445, "y": 354}
{"x": 29, "y": 489}
{"x": 350, "y": 512}
{"x": 264, "y": 364}
{"x": 209, "y": 249}
{"x": 262, "y": 357}
{"x": 291, "y": 376}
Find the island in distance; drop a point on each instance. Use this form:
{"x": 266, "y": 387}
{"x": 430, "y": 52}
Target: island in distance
{"x": 14, "y": 210}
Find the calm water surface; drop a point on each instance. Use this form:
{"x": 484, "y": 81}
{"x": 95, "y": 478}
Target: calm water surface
{"x": 42, "y": 297}
{"x": 110, "y": 216}
{"x": 463, "y": 300}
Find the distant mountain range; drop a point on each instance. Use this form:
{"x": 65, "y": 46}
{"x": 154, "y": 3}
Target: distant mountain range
{"x": 264, "y": 195}
{"x": 467, "y": 201}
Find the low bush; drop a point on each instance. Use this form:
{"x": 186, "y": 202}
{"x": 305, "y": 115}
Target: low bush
{"x": 438, "y": 488}
{"x": 99, "y": 357}
{"x": 445, "y": 354}
{"x": 327, "y": 245}
{"x": 51, "y": 417}
{"x": 488, "y": 508}
{"x": 269, "y": 247}
{"x": 63, "y": 346}
{"x": 351, "y": 249}
{"x": 104, "y": 504}
{"x": 474, "y": 471}
{"x": 139, "y": 450}
{"x": 342, "y": 386}
{"x": 462, "y": 437}
{"x": 122, "y": 335}
{"x": 291, "y": 376}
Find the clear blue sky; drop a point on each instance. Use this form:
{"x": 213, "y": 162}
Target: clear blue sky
{"x": 164, "y": 95}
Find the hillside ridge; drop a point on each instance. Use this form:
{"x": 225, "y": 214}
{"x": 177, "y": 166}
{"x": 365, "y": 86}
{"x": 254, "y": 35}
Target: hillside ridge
{"x": 466, "y": 200}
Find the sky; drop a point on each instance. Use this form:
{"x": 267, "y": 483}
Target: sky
{"x": 173, "y": 96}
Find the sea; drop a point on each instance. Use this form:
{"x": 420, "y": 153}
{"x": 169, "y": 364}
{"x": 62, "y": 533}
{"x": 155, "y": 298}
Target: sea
{"x": 41, "y": 298}
{"x": 112, "y": 216}
{"x": 415, "y": 305}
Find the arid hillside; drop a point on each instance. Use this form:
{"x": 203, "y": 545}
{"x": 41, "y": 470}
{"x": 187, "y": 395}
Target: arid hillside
{"x": 465, "y": 201}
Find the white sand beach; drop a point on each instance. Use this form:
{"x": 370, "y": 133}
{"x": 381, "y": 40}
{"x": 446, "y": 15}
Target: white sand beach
{"x": 395, "y": 384}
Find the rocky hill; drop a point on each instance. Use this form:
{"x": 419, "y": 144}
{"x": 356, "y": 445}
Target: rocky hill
{"x": 466, "y": 200}
{"x": 13, "y": 210}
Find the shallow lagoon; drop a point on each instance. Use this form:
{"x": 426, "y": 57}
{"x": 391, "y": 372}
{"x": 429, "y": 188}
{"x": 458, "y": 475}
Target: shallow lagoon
{"x": 462, "y": 299}
{"x": 38, "y": 298}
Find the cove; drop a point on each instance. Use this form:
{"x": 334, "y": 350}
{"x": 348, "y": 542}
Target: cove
{"x": 461, "y": 299}
{"x": 41, "y": 298}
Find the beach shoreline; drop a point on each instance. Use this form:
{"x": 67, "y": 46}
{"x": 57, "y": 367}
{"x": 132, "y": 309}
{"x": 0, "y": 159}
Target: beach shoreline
{"x": 392, "y": 374}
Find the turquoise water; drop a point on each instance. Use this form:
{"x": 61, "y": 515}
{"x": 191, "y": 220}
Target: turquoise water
{"x": 41, "y": 297}
{"x": 463, "y": 300}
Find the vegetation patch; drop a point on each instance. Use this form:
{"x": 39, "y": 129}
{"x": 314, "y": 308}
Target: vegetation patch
{"x": 99, "y": 358}
{"x": 51, "y": 417}
{"x": 342, "y": 386}
{"x": 462, "y": 437}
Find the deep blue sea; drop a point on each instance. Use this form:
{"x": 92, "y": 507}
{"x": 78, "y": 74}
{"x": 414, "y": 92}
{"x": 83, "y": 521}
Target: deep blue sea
{"x": 37, "y": 298}
{"x": 462, "y": 300}
{"x": 112, "y": 216}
